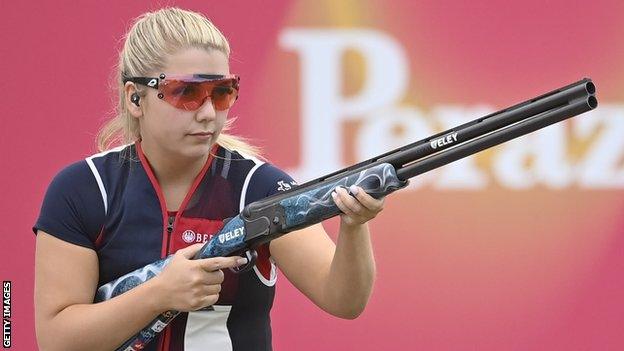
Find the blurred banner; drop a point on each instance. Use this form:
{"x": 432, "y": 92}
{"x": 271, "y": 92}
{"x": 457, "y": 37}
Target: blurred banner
{"x": 517, "y": 248}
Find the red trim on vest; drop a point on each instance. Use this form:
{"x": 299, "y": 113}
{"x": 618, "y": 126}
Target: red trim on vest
{"x": 190, "y": 194}
{"x": 263, "y": 263}
{"x": 165, "y": 340}
{"x": 161, "y": 197}
{"x": 99, "y": 239}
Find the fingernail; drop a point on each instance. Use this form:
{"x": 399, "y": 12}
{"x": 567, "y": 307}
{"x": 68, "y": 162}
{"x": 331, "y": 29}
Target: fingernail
{"x": 354, "y": 190}
{"x": 241, "y": 261}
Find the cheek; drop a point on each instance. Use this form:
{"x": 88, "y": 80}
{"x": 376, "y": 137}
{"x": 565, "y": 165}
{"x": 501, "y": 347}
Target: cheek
{"x": 165, "y": 123}
{"x": 221, "y": 118}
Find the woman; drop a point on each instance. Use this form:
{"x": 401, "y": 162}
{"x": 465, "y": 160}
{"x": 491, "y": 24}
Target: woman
{"x": 164, "y": 193}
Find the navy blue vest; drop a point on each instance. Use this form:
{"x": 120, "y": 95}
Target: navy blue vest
{"x": 127, "y": 224}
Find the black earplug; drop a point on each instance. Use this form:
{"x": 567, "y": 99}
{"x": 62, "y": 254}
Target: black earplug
{"x": 134, "y": 98}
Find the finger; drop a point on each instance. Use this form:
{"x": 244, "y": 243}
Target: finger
{"x": 217, "y": 263}
{"x": 211, "y": 289}
{"x": 214, "y": 277}
{"x": 349, "y": 201}
{"x": 191, "y": 251}
{"x": 208, "y": 301}
{"x": 366, "y": 200}
{"x": 340, "y": 204}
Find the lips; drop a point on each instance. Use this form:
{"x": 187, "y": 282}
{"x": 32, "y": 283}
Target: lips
{"x": 201, "y": 133}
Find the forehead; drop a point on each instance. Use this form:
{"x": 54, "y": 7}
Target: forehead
{"x": 195, "y": 60}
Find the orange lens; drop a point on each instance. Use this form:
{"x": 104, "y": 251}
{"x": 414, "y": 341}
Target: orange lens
{"x": 191, "y": 95}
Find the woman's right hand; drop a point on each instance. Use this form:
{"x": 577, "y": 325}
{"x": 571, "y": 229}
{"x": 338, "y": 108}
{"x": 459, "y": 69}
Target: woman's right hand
{"x": 187, "y": 285}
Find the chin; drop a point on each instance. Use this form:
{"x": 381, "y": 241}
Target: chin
{"x": 197, "y": 150}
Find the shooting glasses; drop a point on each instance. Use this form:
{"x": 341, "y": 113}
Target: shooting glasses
{"x": 189, "y": 92}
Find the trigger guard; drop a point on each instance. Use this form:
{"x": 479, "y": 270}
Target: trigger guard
{"x": 252, "y": 258}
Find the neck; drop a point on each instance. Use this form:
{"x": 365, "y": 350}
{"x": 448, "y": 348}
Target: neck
{"x": 172, "y": 168}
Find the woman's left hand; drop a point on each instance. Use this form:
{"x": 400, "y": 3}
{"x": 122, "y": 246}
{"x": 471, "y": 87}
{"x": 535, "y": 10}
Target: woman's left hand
{"x": 357, "y": 209}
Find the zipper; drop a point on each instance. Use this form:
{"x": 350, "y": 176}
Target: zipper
{"x": 167, "y": 332}
{"x": 169, "y": 231}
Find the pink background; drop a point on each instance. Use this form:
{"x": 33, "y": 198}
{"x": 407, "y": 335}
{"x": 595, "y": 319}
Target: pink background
{"x": 490, "y": 268}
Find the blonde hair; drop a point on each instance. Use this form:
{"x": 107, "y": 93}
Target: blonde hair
{"x": 152, "y": 37}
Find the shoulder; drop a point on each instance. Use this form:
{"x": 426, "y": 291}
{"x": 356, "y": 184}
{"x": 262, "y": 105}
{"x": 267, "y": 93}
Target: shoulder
{"x": 72, "y": 177}
{"x": 81, "y": 183}
{"x": 268, "y": 180}
{"x": 112, "y": 157}
{"x": 89, "y": 171}
{"x": 72, "y": 208}
{"x": 262, "y": 177}
{"x": 272, "y": 178}
{"x": 85, "y": 181}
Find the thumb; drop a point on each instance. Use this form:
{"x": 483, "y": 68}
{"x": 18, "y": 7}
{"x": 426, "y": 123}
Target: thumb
{"x": 190, "y": 252}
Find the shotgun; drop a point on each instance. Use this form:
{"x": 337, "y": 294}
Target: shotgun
{"x": 311, "y": 202}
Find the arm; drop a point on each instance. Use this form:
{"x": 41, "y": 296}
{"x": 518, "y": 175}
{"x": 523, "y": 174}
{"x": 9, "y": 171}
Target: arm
{"x": 66, "y": 277}
{"x": 343, "y": 275}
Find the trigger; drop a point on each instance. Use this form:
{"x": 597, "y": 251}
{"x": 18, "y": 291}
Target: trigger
{"x": 252, "y": 257}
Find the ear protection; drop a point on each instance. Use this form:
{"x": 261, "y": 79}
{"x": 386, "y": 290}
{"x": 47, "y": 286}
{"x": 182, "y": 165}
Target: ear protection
{"x": 134, "y": 98}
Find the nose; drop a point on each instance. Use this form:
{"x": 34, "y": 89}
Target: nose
{"x": 206, "y": 111}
